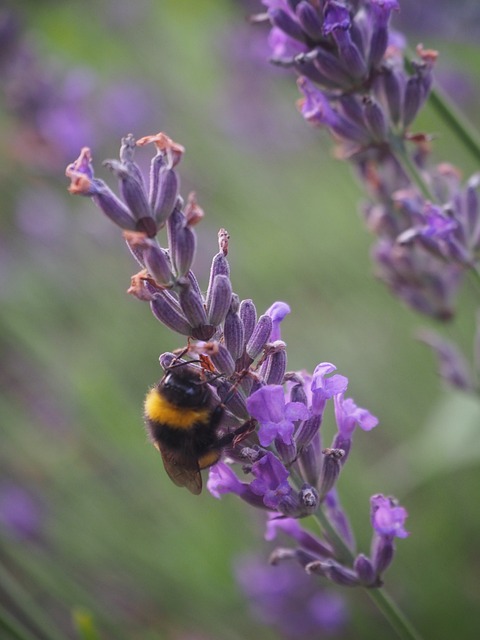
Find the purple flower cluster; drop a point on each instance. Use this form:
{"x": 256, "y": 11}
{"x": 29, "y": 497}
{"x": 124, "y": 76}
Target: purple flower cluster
{"x": 356, "y": 84}
{"x": 285, "y": 470}
{"x": 318, "y": 558}
{"x": 297, "y": 475}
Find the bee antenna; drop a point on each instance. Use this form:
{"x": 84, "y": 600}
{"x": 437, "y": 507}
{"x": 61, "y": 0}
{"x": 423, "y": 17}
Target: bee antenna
{"x": 176, "y": 364}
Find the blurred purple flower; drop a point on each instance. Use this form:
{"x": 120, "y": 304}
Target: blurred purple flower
{"x": 286, "y": 597}
{"x": 20, "y": 513}
{"x": 388, "y": 519}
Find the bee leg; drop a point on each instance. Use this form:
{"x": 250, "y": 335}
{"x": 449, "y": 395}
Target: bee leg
{"x": 240, "y": 433}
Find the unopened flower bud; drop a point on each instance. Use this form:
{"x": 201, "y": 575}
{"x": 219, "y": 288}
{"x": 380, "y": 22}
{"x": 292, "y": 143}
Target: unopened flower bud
{"x": 310, "y": 20}
{"x": 192, "y": 306}
{"x": 286, "y": 23}
{"x": 248, "y": 315}
{"x": 168, "y": 188}
{"x": 330, "y": 470}
{"x": 334, "y": 571}
{"x": 233, "y": 330}
{"x": 259, "y": 337}
{"x": 166, "y": 309}
{"x": 220, "y": 299}
{"x": 223, "y": 360}
{"x": 365, "y": 570}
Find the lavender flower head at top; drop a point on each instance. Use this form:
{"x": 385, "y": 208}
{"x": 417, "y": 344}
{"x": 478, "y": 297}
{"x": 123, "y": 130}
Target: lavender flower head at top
{"x": 356, "y": 84}
{"x": 280, "y": 466}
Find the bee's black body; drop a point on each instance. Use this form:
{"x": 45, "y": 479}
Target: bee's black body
{"x": 183, "y": 421}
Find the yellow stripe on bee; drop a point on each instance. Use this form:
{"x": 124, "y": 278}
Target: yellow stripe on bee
{"x": 208, "y": 459}
{"x": 158, "y": 409}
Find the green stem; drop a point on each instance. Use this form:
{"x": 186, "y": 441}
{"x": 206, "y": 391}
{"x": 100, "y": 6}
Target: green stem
{"x": 451, "y": 115}
{"x": 379, "y": 596}
{"x": 456, "y": 120}
{"x": 401, "y": 154}
{"x": 15, "y": 629}
{"x": 31, "y": 608}
{"x": 392, "y": 613}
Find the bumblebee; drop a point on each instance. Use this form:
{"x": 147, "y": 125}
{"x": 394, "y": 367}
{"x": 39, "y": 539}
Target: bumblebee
{"x": 183, "y": 421}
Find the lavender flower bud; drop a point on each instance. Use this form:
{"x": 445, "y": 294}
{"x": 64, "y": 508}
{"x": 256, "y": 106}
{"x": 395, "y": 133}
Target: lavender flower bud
{"x": 83, "y": 183}
{"x": 364, "y": 570}
{"x": 220, "y": 299}
{"x": 259, "y": 337}
{"x": 453, "y": 366}
{"x": 233, "y": 398}
{"x": 307, "y": 430}
{"x": 289, "y": 504}
{"x": 154, "y": 258}
{"x": 281, "y": 19}
{"x": 168, "y": 189}
{"x": 248, "y": 316}
{"x": 334, "y": 571}
{"x": 181, "y": 241}
{"x": 375, "y": 120}
{"x": 412, "y": 100}
{"x": 274, "y": 366}
{"x": 393, "y": 90}
{"x": 472, "y": 206}
{"x": 383, "y": 551}
{"x": 194, "y": 310}
{"x": 343, "y": 443}
{"x": 309, "y": 498}
{"x": 233, "y": 330}
{"x": 310, "y": 460}
{"x": 306, "y": 67}
{"x": 220, "y": 264}
{"x": 166, "y": 309}
{"x": 156, "y": 165}
{"x": 350, "y": 54}
{"x": 223, "y": 360}
{"x": 131, "y": 187}
{"x": 380, "y": 16}
{"x": 297, "y": 393}
{"x": 332, "y": 68}
{"x": 112, "y": 206}
{"x": 287, "y": 452}
{"x": 330, "y": 470}
{"x": 310, "y": 20}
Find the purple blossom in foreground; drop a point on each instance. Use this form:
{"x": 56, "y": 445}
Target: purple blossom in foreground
{"x": 287, "y": 599}
{"x": 281, "y": 467}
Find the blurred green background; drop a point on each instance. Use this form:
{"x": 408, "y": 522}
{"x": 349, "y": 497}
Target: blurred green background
{"x": 103, "y": 528}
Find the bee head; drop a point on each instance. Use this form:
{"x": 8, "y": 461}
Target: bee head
{"x": 184, "y": 388}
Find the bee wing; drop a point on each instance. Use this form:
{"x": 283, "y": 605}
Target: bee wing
{"x": 182, "y": 470}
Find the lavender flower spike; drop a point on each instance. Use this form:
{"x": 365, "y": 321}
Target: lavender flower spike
{"x": 254, "y": 413}
{"x": 388, "y": 522}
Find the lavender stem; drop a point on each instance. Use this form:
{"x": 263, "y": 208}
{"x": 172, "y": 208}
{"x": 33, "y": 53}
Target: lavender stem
{"x": 453, "y": 117}
{"x": 401, "y": 154}
{"x": 379, "y": 596}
